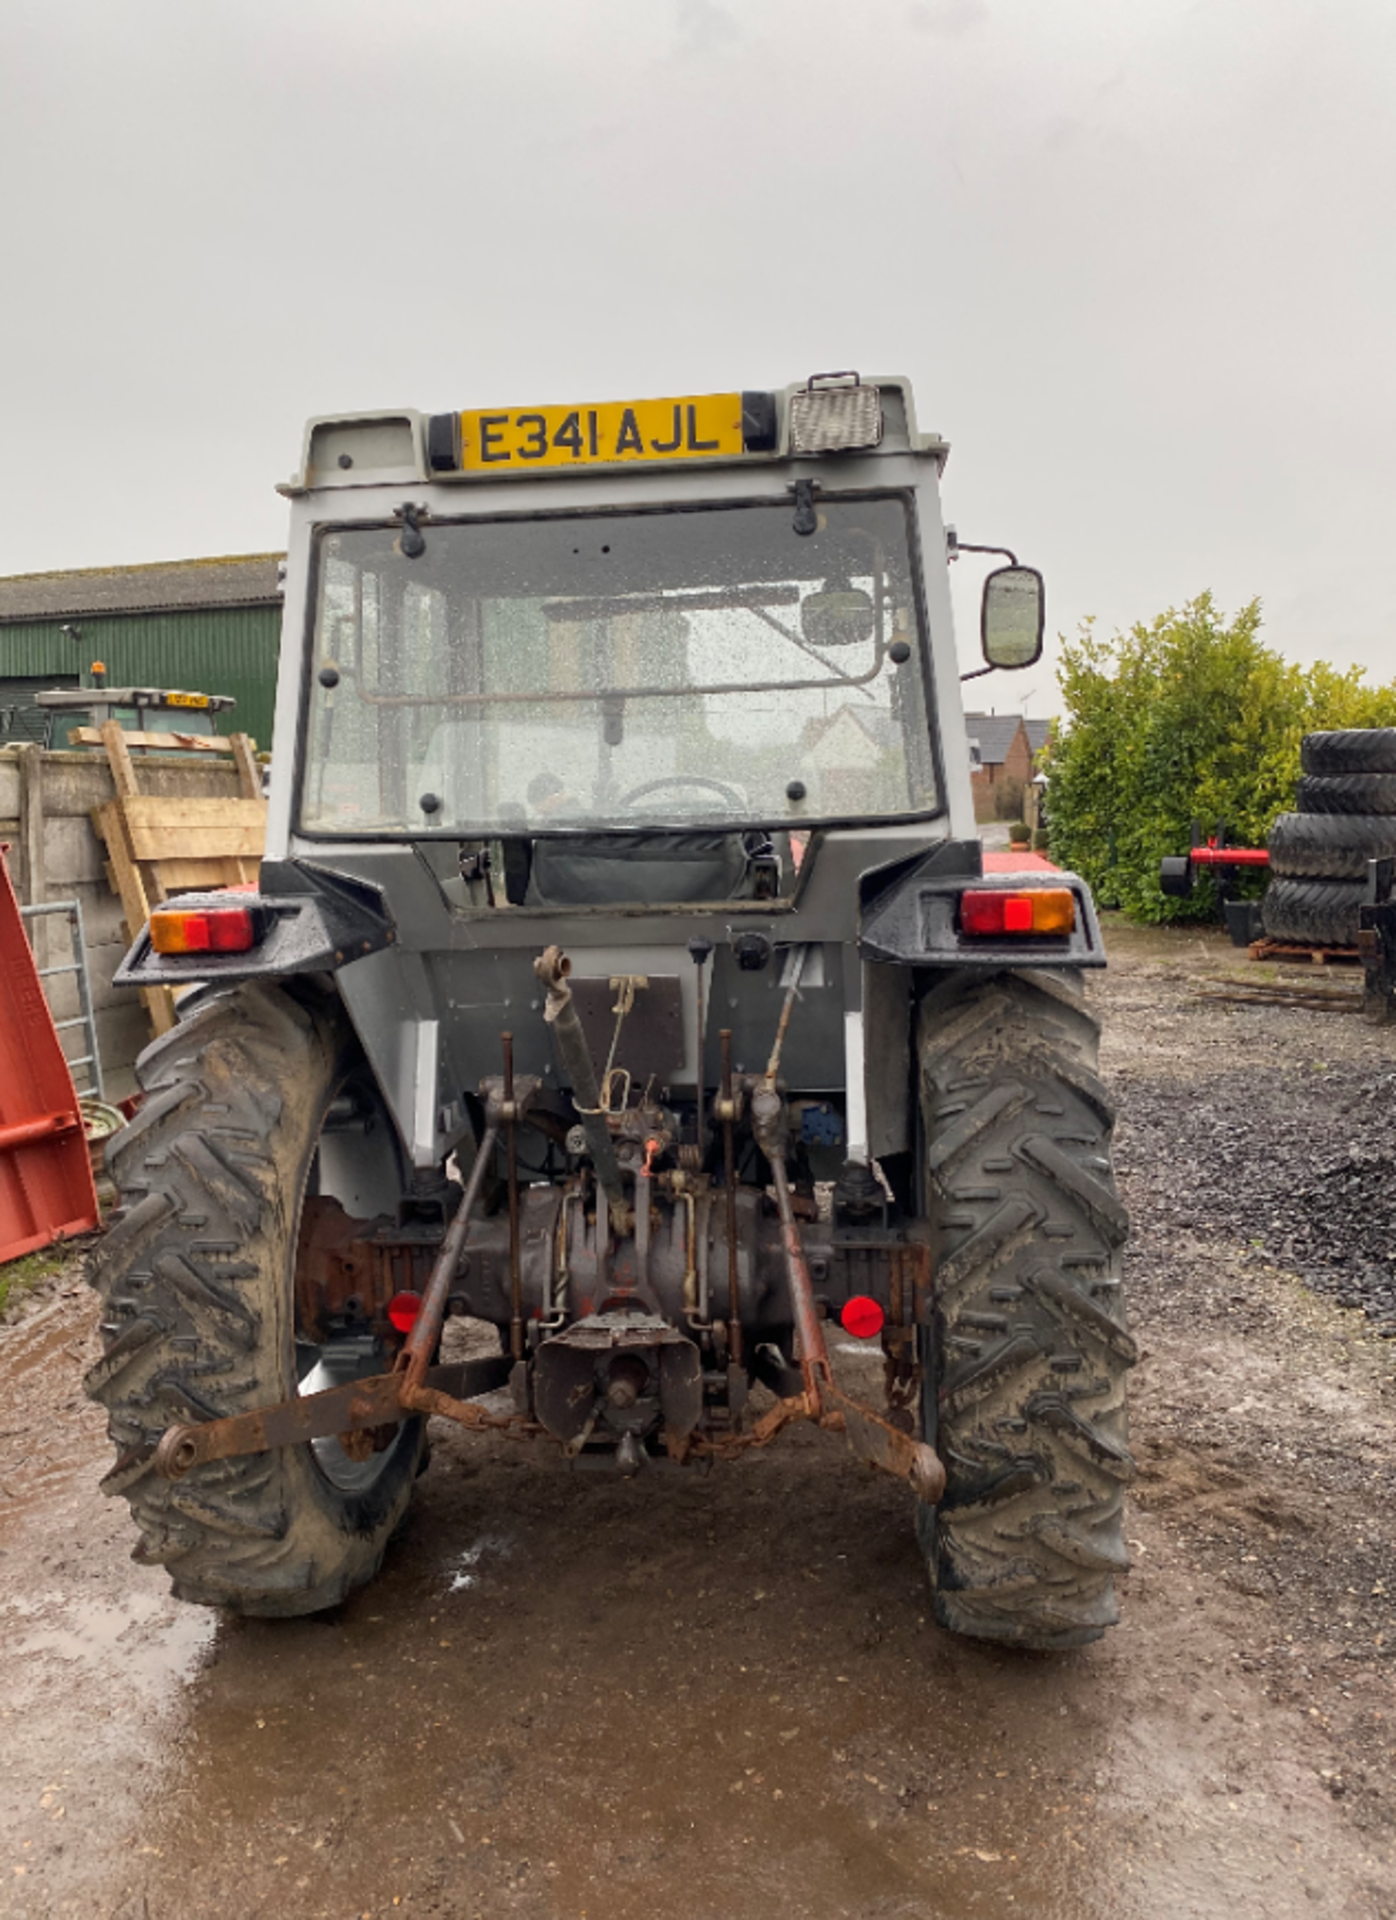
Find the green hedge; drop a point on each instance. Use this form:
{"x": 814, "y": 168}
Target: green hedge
{"x": 1187, "y": 718}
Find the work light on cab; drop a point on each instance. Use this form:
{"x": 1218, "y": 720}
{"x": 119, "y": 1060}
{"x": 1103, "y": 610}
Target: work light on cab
{"x": 205, "y": 930}
{"x": 1040, "y": 911}
{"x": 835, "y": 413}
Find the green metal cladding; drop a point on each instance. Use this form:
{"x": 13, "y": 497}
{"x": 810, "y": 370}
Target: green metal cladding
{"x": 197, "y": 649}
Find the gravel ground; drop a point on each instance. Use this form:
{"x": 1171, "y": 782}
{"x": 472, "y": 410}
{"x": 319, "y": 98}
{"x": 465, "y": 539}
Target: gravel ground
{"x": 1279, "y": 1131}
{"x": 1255, "y": 1149}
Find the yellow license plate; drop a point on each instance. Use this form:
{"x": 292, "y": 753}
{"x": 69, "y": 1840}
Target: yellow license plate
{"x": 701, "y": 427}
{"x": 186, "y": 699}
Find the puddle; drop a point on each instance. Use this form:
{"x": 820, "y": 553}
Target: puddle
{"x": 47, "y": 1426}
{"x": 31, "y": 1346}
{"x": 717, "y": 1701}
{"x": 98, "y": 1663}
{"x": 156, "y": 1642}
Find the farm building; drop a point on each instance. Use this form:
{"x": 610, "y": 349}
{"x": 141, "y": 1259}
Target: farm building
{"x": 203, "y": 626}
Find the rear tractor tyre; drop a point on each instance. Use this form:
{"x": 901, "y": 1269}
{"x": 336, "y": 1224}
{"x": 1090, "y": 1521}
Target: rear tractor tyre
{"x": 1329, "y": 846}
{"x": 1025, "y": 1396}
{"x": 244, "y": 1111}
{"x": 1346, "y": 793}
{"x": 1349, "y": 750}
{"x": 1318, "y": 913}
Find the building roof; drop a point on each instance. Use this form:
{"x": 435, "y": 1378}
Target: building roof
{"x": 237, "y": 580}
{"x": 995, "y": 733}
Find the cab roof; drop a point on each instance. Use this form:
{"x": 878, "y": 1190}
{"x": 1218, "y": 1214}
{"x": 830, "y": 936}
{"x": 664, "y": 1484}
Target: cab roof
{"x": 829, "y": 415}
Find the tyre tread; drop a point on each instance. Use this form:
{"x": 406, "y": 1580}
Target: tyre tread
{"x": 1349, "y": 750}
{"x": 1329, "y": 846}
{"x": 1321, "y": 913}
{"x": 196, "y": 1310}
{"x": 1365, "y": 793}
{"x": 1031, "y": 1347}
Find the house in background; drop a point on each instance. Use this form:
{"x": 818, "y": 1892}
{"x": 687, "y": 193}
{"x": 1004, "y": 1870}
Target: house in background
{"x": 1008, "y": 744}
{"x": 852, "y": 742}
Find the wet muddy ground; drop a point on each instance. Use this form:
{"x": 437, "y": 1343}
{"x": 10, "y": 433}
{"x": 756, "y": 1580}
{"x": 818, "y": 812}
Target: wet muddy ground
{"x": 723, "y": 1696}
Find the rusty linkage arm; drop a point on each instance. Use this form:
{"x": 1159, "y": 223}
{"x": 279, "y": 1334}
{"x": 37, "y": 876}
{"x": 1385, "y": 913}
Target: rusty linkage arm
{"x": 506, "y": 1102}
{"x": 413, "y": 1386}
{"x": 421, "y": 1342}
{"x": 871, "y": 1437}
{"x": 357, "y": 1408}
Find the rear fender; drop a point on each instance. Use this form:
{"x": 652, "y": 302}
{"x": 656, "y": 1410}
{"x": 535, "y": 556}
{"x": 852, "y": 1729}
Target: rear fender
{"x": 913, "y": 917}
{"x": 315, "y": 922}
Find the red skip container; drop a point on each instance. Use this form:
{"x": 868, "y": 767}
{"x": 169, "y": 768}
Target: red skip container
{"x": 46, "y": 1190}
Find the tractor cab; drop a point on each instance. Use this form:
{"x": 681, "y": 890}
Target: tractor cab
{"x": 155, "y": 719}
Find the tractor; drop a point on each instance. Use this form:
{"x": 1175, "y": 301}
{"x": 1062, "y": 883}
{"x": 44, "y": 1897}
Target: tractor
{"x": 624, "y": 976}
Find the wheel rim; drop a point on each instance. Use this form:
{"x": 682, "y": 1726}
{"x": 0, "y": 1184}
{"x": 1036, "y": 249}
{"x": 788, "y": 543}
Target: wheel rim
{"x": 357, "y": 1162}
{"x": 338, "y": 1362}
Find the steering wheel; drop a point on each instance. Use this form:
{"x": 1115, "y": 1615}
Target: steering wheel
{"x": 730, "y": 794}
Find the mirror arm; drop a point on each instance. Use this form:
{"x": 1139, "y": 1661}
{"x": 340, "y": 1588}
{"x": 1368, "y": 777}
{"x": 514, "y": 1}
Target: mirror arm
{"x": 979, "y": 672}
{"x": 963, "y": 546}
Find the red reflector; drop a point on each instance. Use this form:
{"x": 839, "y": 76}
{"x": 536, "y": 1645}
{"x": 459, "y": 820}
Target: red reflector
{"x": 982, "y": 912}
{"x": 862, "y": 1317}
{"x": 1017, "y": 914}
{"x": 230, "y": 931}
{"x": 403, "y": 1309}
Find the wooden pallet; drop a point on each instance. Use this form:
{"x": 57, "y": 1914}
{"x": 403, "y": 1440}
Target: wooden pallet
{"x": 155, "y": 742}
{"x": 1315, "y": 956}
{"x": 158, "y": 846}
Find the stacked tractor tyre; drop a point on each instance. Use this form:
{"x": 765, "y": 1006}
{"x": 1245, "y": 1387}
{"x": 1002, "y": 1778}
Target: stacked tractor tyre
{"x": 1346, "y": 816}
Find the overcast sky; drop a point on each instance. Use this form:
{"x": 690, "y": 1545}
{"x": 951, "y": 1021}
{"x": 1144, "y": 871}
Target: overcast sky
{"x": 1137, "y": 257}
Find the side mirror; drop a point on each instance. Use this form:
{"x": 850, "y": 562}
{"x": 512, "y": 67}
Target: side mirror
{"x": 1012, "y": 616}
{"x": 838, "y": 617}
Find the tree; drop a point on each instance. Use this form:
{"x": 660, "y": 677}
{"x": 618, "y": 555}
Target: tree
{"x": 1189, "y": 718}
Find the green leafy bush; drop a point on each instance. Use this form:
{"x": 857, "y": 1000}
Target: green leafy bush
{"x": 1187, "y": 718}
